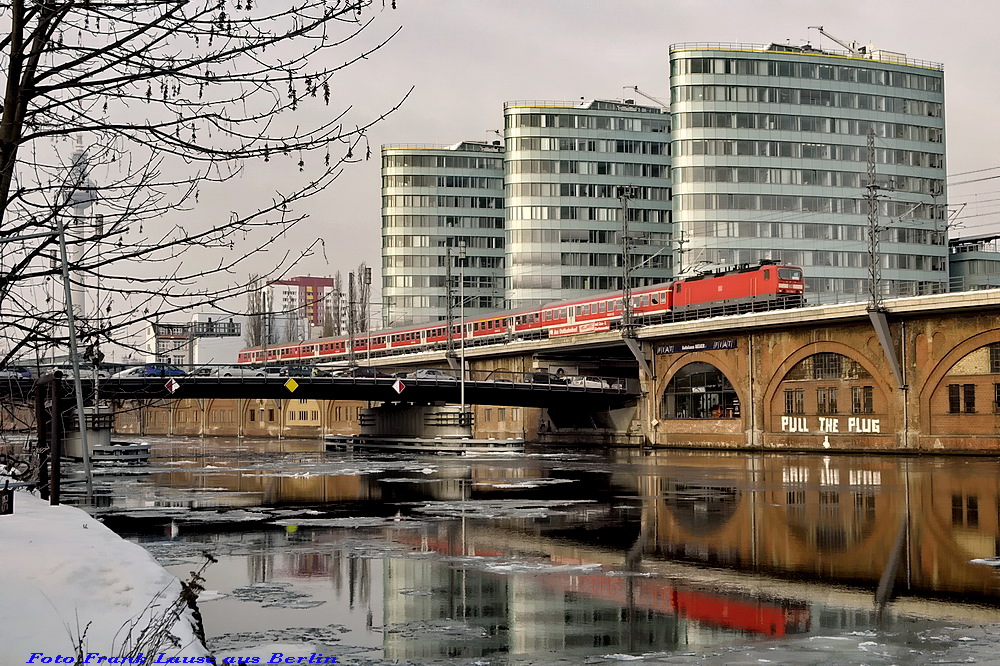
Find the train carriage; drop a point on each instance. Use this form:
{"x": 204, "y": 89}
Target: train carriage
{"x": 740, "y": 289}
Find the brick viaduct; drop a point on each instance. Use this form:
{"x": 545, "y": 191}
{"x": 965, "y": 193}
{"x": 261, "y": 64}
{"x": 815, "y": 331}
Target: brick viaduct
{"x": 807, "y": 379}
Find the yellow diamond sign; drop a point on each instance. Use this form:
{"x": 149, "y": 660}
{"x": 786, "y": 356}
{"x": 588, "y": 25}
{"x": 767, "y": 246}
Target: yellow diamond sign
{"x": 291, "y": 385}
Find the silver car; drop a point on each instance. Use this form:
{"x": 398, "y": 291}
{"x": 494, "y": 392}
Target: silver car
{"x": 237, "y": 371}
{"x": 431, "y": 373}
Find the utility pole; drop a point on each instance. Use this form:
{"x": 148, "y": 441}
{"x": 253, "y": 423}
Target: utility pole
{"x": 368, "y": 317}
{"x": 679, "y": 265}
{"x": 874, "y": 256}
{"x": 461, "y": 306}
{"x": 876, "y": 307}
{"x": 350, "y": 319}
{"x": 449, "y": 307}
{"x": 625, "y": 193}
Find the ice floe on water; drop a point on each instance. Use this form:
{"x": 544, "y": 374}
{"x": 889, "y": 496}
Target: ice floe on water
{"x": 505, "y": 484}
{"x": 349, "y": 522}
{"x": 498, "y": 508}
{"x": 275, "y": 595}
{"x": 446, "y": 628}
{"x": 328, "y": 636}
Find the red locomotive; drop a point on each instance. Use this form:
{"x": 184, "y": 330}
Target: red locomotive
{"x": 748, "y": 288}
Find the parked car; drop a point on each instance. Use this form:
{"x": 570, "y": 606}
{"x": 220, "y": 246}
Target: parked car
{"x": 543, "y": 378}
{"x": 86, "y": 372}
{"x": 271, "y": 370}
{"x": 588, "y": 382}
{"x": 361, "y": 371}
{"x": 15, "y": 372}
{"x": 158, "y": 369}
{"x": 431, "y": 373}
{"x": 295, "y": 371}
{"x": 134, "y": 372}
{"x": 237, "y": 371}
{"x": 155, "y": 369}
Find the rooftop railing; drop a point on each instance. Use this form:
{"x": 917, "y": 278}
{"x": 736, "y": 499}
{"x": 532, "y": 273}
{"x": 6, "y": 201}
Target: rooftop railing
{"x": 470, "y": 146}
{"x": 890, "y": 57}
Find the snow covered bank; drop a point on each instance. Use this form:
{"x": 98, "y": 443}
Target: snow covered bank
{"x": 63, "y": 572}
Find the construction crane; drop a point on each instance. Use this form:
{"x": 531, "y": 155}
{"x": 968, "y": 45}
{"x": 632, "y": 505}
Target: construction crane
{"x": 852, "y": 47}
{"x": 660, "y": 102}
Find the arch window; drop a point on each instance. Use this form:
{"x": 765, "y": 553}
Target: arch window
{"x": 700, "y": 391}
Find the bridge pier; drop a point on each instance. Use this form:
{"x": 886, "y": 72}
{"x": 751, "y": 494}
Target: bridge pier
{"x": 404, "y": 420}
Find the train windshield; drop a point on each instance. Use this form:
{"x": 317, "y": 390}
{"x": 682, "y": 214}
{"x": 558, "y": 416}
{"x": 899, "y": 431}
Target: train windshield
{"x": 789, "y": 274}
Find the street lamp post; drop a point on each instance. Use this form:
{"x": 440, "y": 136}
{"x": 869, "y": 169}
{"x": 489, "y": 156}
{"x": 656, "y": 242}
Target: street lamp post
{"x": 461, "y": 317}
{"x": 368, "y": 316}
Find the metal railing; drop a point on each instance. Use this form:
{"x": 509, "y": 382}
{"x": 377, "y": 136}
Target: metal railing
{"x": 892, "y": 57}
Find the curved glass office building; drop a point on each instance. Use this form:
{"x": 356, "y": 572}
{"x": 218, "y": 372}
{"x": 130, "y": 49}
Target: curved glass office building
{"x": 563, "y": 164}
{"x": 436, "y": 199}
{"x": 770, "y": 161}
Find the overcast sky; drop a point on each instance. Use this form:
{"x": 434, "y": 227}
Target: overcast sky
{"x": 465, "y": 58}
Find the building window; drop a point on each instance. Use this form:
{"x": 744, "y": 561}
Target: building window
{"x": 961, "y": 398}
{"x": 826, "y": 365}
{"x": 501, "y": 414}
{"x": 996, "y": 398}
{"x": 795, "y": 401}
{"x": 303, "y": 415}
{"x": 995, "y": 358}
{"x": 270, "y": 415}
{"x": 965, "y": 510}
{"x": 826, "y": 400}
{"x": 862, "y": 399}
{"x": 291, "y": 414}
{"x": 700, "y": 391}
{"x": 253, "y": 414}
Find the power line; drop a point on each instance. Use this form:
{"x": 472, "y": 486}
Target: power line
{"x": 974, "y": 180}
{"x": 966, "y": 173}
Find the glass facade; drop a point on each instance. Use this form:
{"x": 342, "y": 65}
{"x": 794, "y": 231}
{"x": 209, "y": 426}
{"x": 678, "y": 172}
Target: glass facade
{"x": 770, "y": 161}
{"x": 563, "y": 164}
{"x": 434, "y": 200}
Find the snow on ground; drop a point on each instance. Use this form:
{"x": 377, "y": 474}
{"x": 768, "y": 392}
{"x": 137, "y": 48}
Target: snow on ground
{"x": 61, "y": 570}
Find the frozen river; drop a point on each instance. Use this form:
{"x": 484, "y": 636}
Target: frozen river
{"x": 568, "y": 558}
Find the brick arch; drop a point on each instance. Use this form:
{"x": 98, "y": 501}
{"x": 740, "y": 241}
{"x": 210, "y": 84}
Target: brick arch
{"x": 720, "y": 361}
{"x": 879, "y": 377}
{"x": 941, "y": 368}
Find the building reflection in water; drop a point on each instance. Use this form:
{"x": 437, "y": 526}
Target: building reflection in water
{"x": 834, "y": 519}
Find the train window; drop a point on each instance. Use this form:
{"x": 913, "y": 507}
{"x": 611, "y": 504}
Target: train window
{"x": 655, "y": 299}
{"x": 677, "y": 287}
{"x": 789, "y": 274}
{"x": 767, "y": 274}
{"x": 562, "y": 313}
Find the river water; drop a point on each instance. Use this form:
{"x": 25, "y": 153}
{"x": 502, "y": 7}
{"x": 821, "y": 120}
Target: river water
{"x": 556, "y": 557}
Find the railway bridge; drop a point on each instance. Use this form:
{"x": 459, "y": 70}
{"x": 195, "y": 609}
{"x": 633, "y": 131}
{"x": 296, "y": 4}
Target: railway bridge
{"x": 812, "y": 378}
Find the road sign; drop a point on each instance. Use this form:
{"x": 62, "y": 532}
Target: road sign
{"x": 398, "y": 386}
{"x": 173, "y": 384}
{"x": 291, "y": 385}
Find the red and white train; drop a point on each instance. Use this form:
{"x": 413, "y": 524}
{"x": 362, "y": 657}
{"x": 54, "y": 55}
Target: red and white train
{"x": 763, "y": 286}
